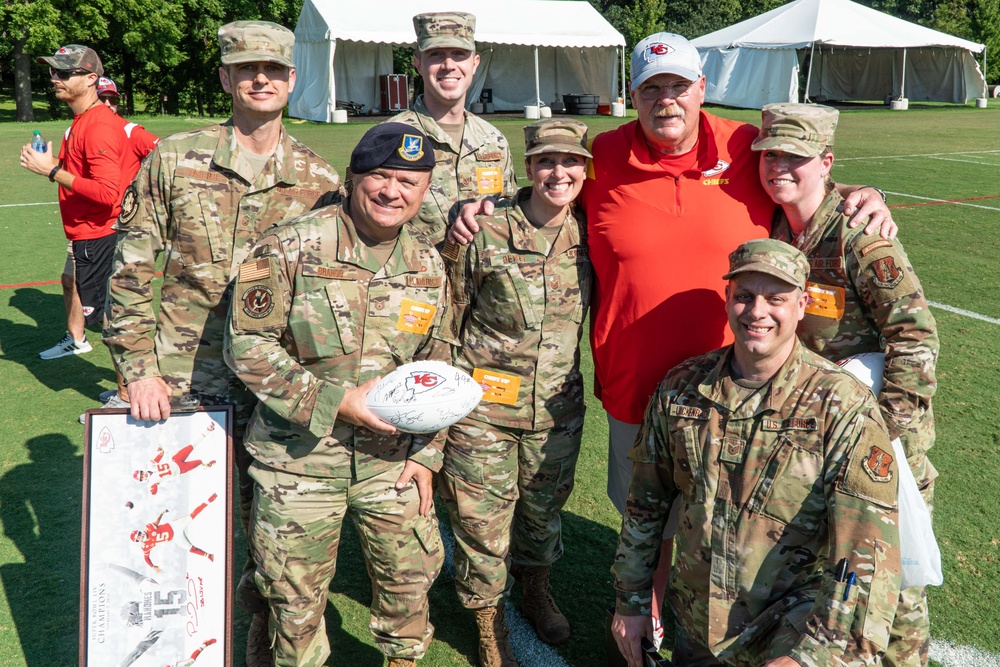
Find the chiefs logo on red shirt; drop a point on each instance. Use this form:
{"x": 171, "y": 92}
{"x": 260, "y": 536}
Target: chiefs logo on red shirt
{"x": 657, "y": 49}
{"x": 421, "y": 381}
{"x": 878, "y": 464}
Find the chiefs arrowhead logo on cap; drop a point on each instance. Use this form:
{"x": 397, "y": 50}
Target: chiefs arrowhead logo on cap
{"x": 657, "y": 49}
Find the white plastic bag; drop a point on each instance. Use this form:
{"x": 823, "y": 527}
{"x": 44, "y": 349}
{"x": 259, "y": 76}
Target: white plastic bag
{"x": 918, "y": 549}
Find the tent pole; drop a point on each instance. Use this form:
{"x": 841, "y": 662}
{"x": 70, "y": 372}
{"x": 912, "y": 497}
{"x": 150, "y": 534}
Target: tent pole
{"x": 986, "y": 87}
{"x": 538, "y": 96}
{"x": 902, "y": 85}
{"x": 809, "y": 73}
{"x": 624, "y": 96}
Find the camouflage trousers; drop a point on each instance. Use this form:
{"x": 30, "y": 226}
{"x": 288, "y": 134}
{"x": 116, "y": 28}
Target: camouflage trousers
{"x": 504, "y": 489}
{"x": 247, "y": 596}
{"x": 295, "y": 534}
{"x": 910, "y": 637}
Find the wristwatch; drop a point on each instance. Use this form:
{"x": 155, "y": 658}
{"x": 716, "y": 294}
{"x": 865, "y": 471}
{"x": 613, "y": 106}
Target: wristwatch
{"x": 880, "y": 191}
{"x": 52, "y": 175}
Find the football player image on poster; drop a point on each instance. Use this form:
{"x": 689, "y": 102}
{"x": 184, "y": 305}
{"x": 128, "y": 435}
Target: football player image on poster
{"x": 156, "y": 573}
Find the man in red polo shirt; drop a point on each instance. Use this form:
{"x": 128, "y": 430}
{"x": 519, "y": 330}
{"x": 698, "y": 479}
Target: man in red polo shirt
{"x": 669, "y": 195}
{"x": 89, "y": 173}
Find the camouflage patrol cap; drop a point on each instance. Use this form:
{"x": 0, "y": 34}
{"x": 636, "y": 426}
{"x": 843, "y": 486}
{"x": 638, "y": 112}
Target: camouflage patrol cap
{"x": 256, "y": 41}
{"x": 74, "y": 56}
{"x": 556, "y": 135}
{"x": 437, "y": 29}
{"x": 770, "y": 256}
{"x": 800, "y": 129}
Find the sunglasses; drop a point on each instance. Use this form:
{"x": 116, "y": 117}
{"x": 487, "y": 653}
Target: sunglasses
{"x": 63, "y": 74}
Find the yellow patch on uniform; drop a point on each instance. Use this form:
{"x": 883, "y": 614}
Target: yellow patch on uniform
{"x": 872, "y": 472}
{"x": 257, "y": 297}
{"x": 415, "y": 317}
{"x": 489, "y": 180}
{"x": 497, "y": 387}
{"x": 825, "y": 300}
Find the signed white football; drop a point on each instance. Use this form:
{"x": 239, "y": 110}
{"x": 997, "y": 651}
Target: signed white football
{"x": 867, "y": 367}
{"x": 424, "y": 396}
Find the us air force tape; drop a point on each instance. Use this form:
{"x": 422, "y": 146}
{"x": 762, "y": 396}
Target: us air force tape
{"x": 258, "y": 305}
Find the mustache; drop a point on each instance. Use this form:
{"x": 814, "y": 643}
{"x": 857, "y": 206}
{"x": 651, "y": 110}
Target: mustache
{"x": 669, "y": 112}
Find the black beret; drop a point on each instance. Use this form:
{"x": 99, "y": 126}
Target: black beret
{"x": 393, "y": 146}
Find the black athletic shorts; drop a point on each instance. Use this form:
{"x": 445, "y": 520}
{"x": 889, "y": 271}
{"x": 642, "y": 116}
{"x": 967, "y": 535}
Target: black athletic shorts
{"x": 93, "y": 261}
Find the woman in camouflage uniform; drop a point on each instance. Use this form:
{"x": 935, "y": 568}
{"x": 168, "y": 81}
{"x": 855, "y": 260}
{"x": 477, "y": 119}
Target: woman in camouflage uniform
{"x": 864, "y": 297}
{"x": 521, "y": 291}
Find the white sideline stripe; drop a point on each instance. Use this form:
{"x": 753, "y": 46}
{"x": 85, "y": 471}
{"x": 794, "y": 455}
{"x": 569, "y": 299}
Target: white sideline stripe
{"x": 528, "y": 648}
{"x": 909, "y": 155}
{"x": 952, "y": 655}
{"x": 954, "y": 159}
{"x": 39, "y": 203}
{"x": 962, "y": 311}
{"x": 943, "y": 201}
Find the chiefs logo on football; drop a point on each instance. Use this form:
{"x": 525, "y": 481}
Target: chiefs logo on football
{"x": 421, "y": 381}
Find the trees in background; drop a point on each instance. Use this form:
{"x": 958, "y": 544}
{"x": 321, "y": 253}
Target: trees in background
{"x": 165, "y": 51}
{"x": 975, "y": 20}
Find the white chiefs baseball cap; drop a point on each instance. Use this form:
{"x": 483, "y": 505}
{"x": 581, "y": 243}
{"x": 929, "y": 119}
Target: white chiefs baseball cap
{"x": 664, "y": 53}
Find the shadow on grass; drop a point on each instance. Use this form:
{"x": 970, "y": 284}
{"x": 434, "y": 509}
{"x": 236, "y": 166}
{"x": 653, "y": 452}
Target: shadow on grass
{"x": 40, "y": 512}
{"x": 22, "y": 343}
{"x": 581, "y": 584}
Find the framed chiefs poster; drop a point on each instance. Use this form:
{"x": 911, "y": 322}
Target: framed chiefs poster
{"x": 156, "y": 561}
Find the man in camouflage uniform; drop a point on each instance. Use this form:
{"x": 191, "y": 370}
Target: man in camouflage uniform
{"x": 204, "y": 198}
{"x": 527, "y": 266}
{"x": 472, "y": 157}
{"x": 782, "y": 467}
{"x": 864, "y": 297}
{"x": 327, "y": 304}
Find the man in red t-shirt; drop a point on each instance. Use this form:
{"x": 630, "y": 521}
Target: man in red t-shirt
{"x": 89, "y": 173}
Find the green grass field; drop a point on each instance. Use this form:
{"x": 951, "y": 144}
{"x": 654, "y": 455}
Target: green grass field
{"x": 919, "y": 156}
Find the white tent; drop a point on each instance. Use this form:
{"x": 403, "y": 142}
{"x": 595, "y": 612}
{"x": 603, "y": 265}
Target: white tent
{"x": 855, "y": 53}
{"x": 529, "y": 49}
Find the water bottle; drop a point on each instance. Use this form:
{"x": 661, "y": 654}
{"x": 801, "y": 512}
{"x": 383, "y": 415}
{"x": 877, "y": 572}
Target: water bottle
{"x": 38, "y": 143}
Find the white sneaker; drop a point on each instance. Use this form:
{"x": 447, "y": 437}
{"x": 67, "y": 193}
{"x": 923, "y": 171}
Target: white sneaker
{"x": 66, "y": 347}
{"x": 105, "y": 396}
{"x": 114, "y": 402}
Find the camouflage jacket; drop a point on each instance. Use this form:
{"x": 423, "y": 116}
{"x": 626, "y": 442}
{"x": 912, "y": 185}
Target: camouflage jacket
{"x": 865, "y": 297}
{"x": 774, "y": 489}
{"x": 481, "y": 166}
{"x": 194, "y": 200}
{"x": 520, "y": 304}
{"x": 314, "y": 313}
